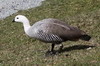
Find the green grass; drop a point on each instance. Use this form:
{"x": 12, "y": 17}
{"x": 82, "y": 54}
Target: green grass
{"x": 17, "y": 49}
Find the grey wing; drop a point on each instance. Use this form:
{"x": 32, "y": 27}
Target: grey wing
{"x": 55, "y": 30}
{"x": 63, "y": 32}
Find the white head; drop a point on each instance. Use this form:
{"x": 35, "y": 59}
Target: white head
{"x": 24, "y": 20}
{"x": 20, "y": 18}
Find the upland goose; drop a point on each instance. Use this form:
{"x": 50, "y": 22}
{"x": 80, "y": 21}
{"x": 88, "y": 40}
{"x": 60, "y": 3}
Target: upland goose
{"x": 52, "y": 31}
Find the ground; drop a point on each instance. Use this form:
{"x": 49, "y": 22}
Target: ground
{"x": 17, "y": 49}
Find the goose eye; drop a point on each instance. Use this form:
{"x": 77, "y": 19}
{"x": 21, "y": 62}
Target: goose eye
{"x": 17, "y": 18}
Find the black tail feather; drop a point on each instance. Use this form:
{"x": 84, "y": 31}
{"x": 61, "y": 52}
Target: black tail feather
{"x": 86, "y": 37}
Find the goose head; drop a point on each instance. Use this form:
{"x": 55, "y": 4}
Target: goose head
{"x": 24, "y": 20}
{"x": 20, "y": 18}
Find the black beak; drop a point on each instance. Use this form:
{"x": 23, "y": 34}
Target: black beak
{"x": 13, "y": 20}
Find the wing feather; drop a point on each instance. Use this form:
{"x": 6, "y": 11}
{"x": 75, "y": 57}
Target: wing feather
{"x": 64, "y": 32}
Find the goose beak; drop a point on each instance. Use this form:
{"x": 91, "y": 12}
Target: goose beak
{"x": 13, "y": 20}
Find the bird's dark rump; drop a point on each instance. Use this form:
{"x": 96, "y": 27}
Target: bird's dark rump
{"x": 85, "y": 37}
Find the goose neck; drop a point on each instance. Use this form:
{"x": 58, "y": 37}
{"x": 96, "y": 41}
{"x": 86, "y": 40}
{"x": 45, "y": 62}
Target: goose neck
{"x": 26, "y": 26}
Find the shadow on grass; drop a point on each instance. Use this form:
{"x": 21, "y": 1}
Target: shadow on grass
{"x": 75, "y": 47}
{"x": 67, "y": 49}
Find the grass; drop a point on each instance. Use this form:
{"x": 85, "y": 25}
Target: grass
{"x": 17, "y": 49}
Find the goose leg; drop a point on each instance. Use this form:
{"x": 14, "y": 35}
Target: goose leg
{"x": 51, "y": 51}
{"x": 52, "y": 47}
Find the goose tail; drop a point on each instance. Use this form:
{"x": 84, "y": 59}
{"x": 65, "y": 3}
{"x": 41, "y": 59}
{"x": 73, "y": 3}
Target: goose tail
{"x": 85, "y": 37}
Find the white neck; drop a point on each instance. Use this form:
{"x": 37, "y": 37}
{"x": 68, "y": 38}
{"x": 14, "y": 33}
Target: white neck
{"x": 26, "y": 25}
